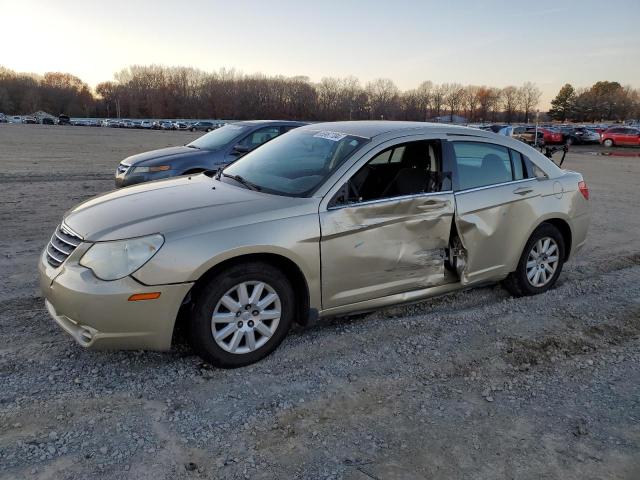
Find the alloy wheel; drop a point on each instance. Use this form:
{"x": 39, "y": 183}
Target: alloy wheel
{"x": 246, "y": 317}
{"x": 542, "y": 262}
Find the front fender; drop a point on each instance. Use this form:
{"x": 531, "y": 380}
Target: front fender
{"x": 187, "y": 258}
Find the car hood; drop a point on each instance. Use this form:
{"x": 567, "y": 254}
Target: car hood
{"x": 178, "y": 207}
{"x": 155, "y": 157}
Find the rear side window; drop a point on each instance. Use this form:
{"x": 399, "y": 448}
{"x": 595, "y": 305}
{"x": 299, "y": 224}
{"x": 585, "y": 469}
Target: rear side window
{"x": 482, "y": 164}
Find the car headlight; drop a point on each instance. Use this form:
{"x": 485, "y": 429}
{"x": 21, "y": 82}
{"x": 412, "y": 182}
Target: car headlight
{"x": 158, "y": 168}
{"x": 117, "y": 259}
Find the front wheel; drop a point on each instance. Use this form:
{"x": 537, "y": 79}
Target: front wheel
{"x": 242, "y": 314}
{"x": 540, "y": 264}
{"x": 608, "y": 143}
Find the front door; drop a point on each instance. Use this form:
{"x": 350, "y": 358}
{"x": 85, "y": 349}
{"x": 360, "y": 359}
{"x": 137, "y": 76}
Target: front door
{"x": 387, "y": 230}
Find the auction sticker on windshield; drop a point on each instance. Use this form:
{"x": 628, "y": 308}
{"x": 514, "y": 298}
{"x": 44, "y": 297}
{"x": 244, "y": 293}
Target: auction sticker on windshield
{"x": 333, "y": 136}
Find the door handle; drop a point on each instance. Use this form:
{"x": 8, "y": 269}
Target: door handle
{"x": 523, "y": 190}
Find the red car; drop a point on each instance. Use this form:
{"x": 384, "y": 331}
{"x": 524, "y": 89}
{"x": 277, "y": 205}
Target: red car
{"x": 620, "y": 136}
{"x": 552, "y": 136}
{"x": 549, "y": 136}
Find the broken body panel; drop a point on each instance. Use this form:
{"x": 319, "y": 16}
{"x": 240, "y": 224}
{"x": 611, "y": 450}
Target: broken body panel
{"x": 384, "y": 247}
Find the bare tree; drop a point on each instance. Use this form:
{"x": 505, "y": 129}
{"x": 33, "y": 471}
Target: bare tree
{"x": 383, "y": 98}
{"x": 530, "y": 97}
{"x": 511, "y": 102}
{"x": 438, "y": 99}
{"x": 454, "y": 95}
{"x": 425, "y": 93}
{"x": 471, "y": 100}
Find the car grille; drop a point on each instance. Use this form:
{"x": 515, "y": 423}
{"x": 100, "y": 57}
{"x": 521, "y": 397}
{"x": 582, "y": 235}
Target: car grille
{"x": 122, "y": 168}
{"x": 62, "y": 244}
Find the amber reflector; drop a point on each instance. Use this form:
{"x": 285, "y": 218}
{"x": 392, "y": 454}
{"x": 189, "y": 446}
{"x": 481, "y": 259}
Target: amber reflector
{"x": 144, "y": 296}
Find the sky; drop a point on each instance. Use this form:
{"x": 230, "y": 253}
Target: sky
{"x": 487, "y": 42}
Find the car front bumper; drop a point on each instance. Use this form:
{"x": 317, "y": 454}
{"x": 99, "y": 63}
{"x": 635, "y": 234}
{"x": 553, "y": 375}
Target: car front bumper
{"x": 99, "y": 315}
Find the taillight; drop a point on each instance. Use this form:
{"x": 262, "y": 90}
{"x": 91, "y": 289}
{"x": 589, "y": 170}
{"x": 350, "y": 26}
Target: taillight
{"x": 584, "y": 190}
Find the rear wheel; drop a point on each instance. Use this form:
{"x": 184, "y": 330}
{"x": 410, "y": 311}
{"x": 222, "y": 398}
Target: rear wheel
{"x": 540, "y": 264}
{"x": 608, "y": 143}
{"x": 242, "y": 314}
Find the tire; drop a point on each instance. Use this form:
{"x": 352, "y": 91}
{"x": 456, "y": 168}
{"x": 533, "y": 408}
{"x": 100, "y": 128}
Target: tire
{"x": 208, "y": 130}
{"x": 608, "y": 143}
{"x": 570, "y": 141}
{"x": 192, "y": 129}
{"x": 221, "y": 296}
{"x": 521, "y": 283}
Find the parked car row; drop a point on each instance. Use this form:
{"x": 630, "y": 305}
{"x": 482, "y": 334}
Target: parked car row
{"x": 567, "y": 134}
{"x": 193, "y": 126}
{"x": 200, "y": 126}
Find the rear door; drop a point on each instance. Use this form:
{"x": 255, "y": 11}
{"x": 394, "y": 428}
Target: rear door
{"x": 384, "y": 230}
{"x": 495, "y": 204}
{"x": 629, "y": 137}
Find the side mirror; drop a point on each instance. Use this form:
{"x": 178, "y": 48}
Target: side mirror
{"x": 242, "y": 149}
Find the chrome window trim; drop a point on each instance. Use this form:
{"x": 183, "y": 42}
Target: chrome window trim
{"x": 484, "y": 187}
{"x": 390, "y": 199}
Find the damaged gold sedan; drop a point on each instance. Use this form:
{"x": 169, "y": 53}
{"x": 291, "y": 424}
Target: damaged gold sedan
{"x": 328, "y": 219}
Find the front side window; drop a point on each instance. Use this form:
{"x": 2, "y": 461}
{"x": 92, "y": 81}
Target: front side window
{"x": 407, "y": 169}
{"x": 481, "y": 164}
{"x": 295, "y": 164}
{"x": 260, "y": 136}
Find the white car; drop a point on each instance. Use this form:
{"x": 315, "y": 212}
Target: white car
{"x": 15, "y": 119}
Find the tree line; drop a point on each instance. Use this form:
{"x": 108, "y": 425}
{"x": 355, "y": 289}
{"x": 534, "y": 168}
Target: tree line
{"x": 153, "y": 91}
{"x": 602, "y": 101}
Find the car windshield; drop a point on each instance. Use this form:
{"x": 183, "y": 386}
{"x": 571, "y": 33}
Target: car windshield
{"x": 296, "y": 163}
{"x": 219, "y": 137}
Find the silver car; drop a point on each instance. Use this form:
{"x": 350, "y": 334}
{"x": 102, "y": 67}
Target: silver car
{"x": 328, "y": 219}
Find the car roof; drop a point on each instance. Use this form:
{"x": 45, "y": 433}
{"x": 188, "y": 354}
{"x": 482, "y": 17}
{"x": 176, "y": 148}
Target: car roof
{"x": 374, "y": 128}
{"x": 269, "y": 122}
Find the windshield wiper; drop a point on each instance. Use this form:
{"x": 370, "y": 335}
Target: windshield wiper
{"x": 239, "y": 179}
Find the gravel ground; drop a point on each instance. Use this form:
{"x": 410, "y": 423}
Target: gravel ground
{"x": 472, "y": 385}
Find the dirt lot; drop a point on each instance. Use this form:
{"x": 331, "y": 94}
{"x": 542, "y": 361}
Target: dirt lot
{"x": 472, "y": 385}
